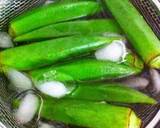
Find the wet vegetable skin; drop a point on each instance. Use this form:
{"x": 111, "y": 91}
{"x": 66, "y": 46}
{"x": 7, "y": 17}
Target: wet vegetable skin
{"x": 51, "y": 51}
{"x": 98, "y": 92}
{"x": 89, "y": 114}
{"x": 83, "y": 70}
{"x": 112, "y": 92}
{"x": 141, "y": 36}
{"x": 83, "y": 27}
{"x": 52, "y": 13}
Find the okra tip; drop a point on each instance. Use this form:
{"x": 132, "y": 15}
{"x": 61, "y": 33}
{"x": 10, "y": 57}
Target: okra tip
{"x": 11, "y": 31}
{"x": 134, "y": 121}
{"x": 155, "y": 63}
{"x": 150, "y": 100}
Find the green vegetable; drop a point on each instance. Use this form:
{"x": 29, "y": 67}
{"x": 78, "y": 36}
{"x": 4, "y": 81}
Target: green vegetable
{"x": 89, "y": 114}
{"x": 109, "y": 92}
{"x": 137, "y": 30}
{"x": 83, "y": 70}
{"x": 84, "y": 27}
{"x": 133, "y": 60}
{"x": 52, "y": 13}
{"x": 48, "y": 52}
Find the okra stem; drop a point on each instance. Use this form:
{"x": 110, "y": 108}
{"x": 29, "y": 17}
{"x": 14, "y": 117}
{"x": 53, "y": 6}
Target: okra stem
{"x": 84, "y": 27}
{"x": 141, "y": 36}
{"x": 52, "y": 13}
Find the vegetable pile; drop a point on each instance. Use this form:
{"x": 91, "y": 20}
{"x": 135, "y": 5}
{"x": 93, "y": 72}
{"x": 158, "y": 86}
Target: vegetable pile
{"x": 74, "y": 61}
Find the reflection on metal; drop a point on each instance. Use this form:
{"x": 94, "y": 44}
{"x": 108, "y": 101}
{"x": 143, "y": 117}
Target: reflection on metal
{"x": 2, "y": 125}
{"x": 6, "y": 117}
{"x": 156, "y": 3}
{"x": 154, "y": 121}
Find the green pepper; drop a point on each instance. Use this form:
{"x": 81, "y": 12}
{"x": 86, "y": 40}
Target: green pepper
{"x": 48, "y": 52}
{"x": 84, "y": 27}
{"x": 83, "y": 70}
{"x": 141, "y": 36}
{"x": 89, "y": 114}
{"x": 52, "y": 13}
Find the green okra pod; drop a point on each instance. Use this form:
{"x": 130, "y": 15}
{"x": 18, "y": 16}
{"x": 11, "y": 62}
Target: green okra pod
{"x": 98, "y": 92}
{"x": 83, "y": 70}
{"x": 112, "y": 92}
{"x": 89, "y": 114}
{"x": 137, "y": 30}
{"x": 83, "y": 27}
{"x": 48, "y": 52}
{"x": 52, "y": 13}
{"x": 78, "y": 112}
